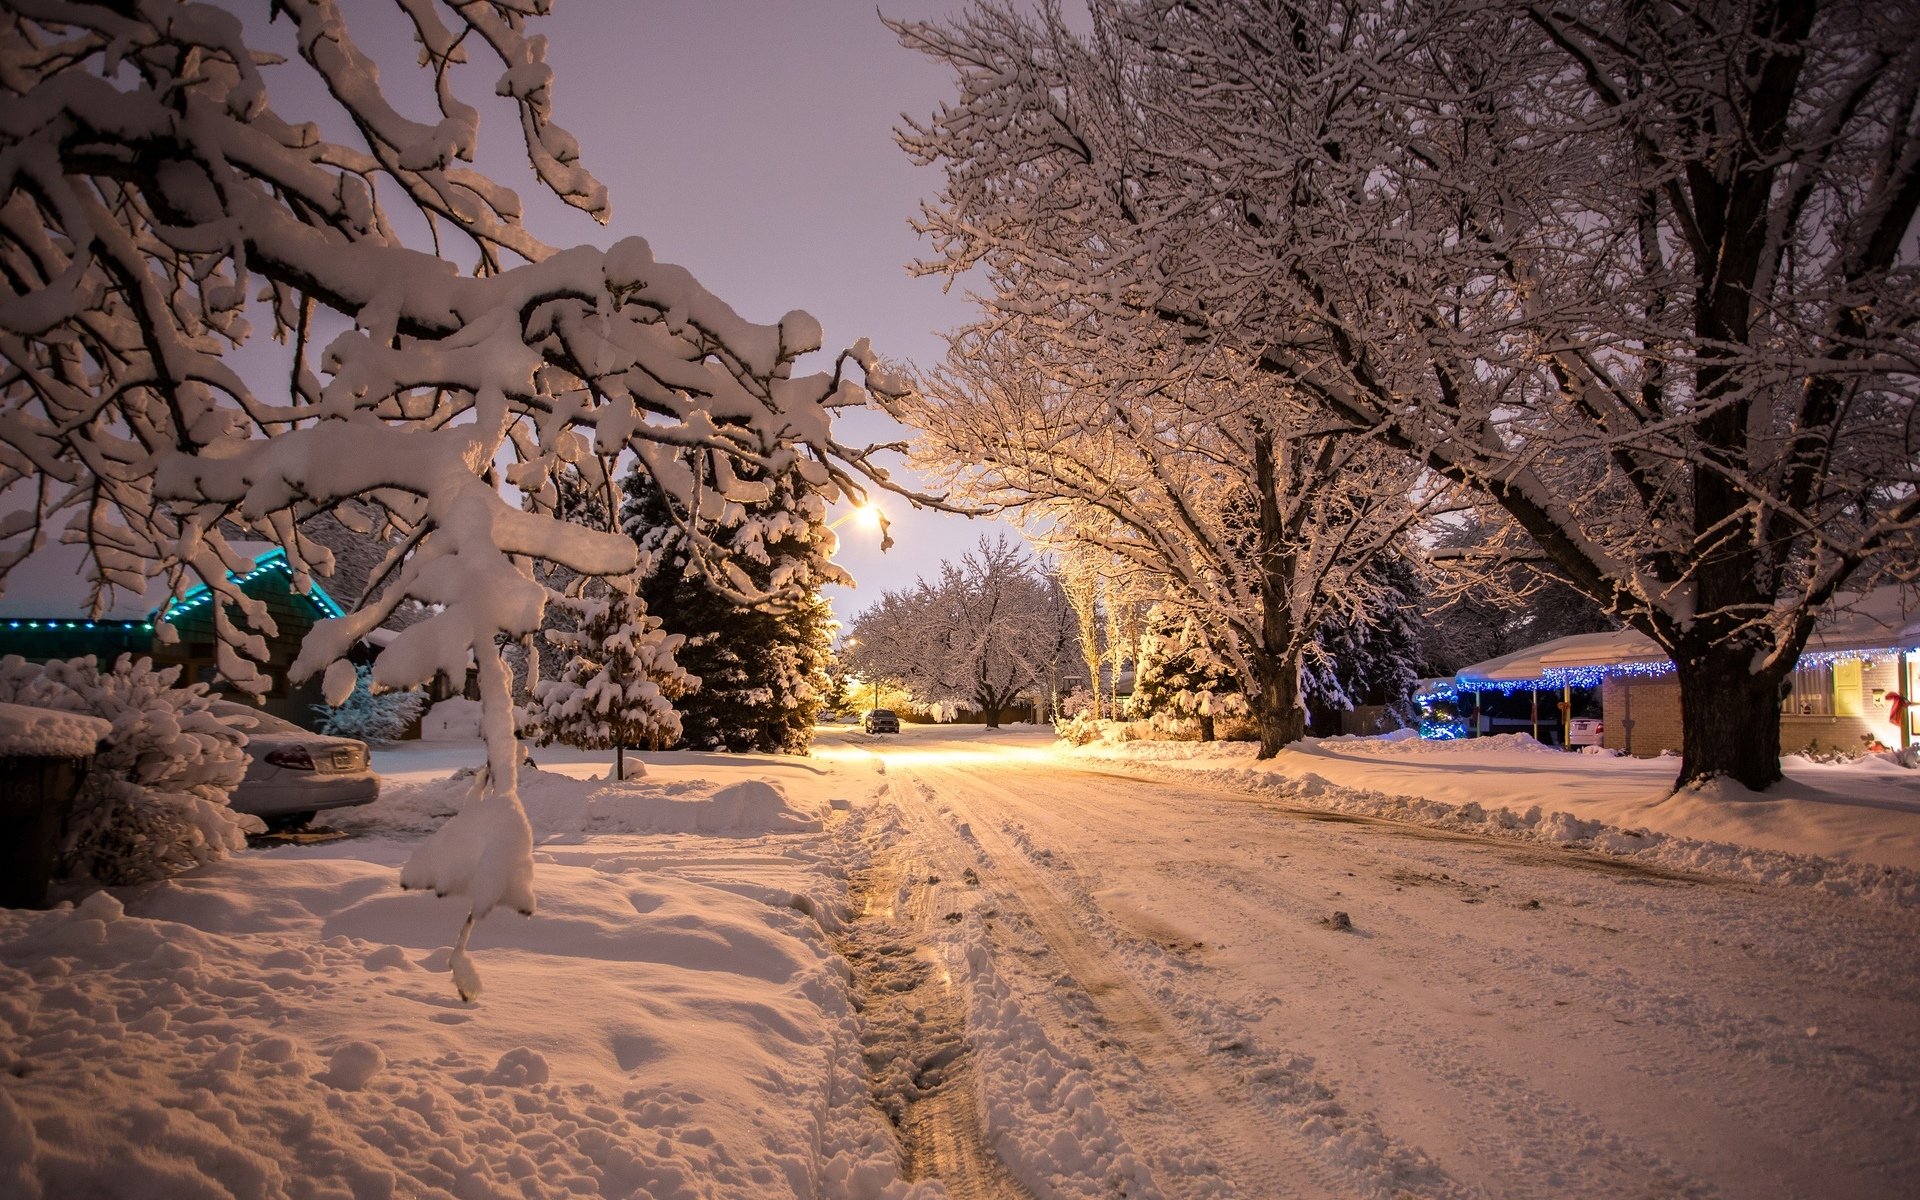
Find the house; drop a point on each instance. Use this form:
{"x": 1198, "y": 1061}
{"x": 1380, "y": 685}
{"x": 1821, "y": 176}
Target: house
{"x": 46, "y": 613}
{"x": 1846, "y": 692}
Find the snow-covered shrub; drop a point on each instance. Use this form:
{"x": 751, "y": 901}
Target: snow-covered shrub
{"x": 154, "y": 802}
{"x": 1086, "y": 729}
{"x": 369, "y": 715}
{"x": 1820, "y": 752}
{"x": 451, "y": 719}
{"x": 619, "y": 684}
{"x": 1080, "y": 702}
{"x": 1079, "y": 729}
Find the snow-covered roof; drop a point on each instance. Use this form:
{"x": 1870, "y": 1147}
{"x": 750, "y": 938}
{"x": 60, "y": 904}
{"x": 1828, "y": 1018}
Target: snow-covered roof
{"x": 28, "y": 732}
{"x": 54, "y": 581}
{"x": 1884, "y": 619}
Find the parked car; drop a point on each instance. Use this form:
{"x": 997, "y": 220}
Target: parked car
{"x": 880, "y": 720}
{"x": 293, "y": 773}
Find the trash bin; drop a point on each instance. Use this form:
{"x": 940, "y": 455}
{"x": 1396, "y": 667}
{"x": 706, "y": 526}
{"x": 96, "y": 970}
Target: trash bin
{"x": 36, "y": 794}
{"x": 44, "y": 756}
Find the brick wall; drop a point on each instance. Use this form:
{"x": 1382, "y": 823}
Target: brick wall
{"x": 1641, "y": 716}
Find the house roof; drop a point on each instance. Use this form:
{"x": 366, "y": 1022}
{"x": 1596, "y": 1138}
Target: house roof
{"x": 1884, "y": 619}
{"x": 54, "y": 582}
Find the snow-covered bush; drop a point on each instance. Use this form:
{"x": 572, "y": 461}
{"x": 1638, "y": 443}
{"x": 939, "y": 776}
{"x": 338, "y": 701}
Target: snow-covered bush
{"x": 1086, "y": 729}
{"x": 1080, "y": 702}
{"x": 620, "y": 681}
{"x": 451, "y": 719}
{"x": 1080, "y": 728}
{"x": 369, "y": 715}
{"x": 154, "y": 802}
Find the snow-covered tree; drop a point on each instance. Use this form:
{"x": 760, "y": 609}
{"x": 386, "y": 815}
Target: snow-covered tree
{"x": 762, "y": 668}
{"x": 376, "y": 716}
{"x": 1643, "y": 274}
{"x": 1481, "y": 599}
{"x": 618, "y": 682}
{"x": 1082, "y": 581}
{"x": 159, "y": 207}
{"x": 1237, "y": 499}
{"x": 154, "y": 802}
{"x": 988, "y": 630}
{"x": 1374, "y": 661}
{"x": 1181, "y": 678}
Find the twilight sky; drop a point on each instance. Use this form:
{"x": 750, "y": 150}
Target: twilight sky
{"x": 751, "y": 142}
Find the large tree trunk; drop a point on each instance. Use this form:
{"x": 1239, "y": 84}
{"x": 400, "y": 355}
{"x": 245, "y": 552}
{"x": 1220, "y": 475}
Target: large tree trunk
{"x": 1276, "y": 707}
{"x": 1206, "y": 727}
{"x": 1729, "y": 717}
{"x": 989, "y": 709}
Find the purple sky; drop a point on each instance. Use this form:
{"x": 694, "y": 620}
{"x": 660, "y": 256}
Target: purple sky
{"x": 751, "y": 142}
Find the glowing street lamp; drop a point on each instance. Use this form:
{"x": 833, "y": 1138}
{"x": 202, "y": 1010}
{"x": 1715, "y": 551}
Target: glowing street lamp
{"x": 866, "y": 514}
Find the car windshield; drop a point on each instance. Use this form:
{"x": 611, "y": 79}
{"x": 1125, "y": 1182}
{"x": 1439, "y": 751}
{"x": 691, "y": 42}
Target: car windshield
{"x": 883, "y": 712}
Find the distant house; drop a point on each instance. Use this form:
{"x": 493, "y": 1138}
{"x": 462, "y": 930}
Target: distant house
{"x": 1859, "y": 665}
{"x": 45, "y": 614}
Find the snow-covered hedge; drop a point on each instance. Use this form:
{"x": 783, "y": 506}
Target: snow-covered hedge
{"x": 155, "y": 801}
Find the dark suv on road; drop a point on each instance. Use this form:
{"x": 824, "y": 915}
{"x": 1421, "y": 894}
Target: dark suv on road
{"x": 880, "y": 720}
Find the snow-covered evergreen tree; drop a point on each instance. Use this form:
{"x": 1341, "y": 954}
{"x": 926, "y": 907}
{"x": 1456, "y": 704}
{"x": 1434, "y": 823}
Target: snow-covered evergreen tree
{"x": 1373, "y": 661}
{"x": 618, "y": 682}
{"x": 155, "y": 800}
{"x": 762, "y": 669}
{"x": 1180, "y": 678}
{"x": 374, "y": 716}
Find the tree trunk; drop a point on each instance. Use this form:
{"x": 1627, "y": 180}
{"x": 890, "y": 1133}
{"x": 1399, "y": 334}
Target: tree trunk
{"x": 1729, "y": 717}
{"x": 989, "y": 711}
{"x": 1276, "y": 708}
{"x": 1206, "y": 727}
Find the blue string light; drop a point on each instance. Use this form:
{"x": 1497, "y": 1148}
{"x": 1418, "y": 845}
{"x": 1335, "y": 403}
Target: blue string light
{"x": 1593, "y": 675}
{"x": 273, "y": 560}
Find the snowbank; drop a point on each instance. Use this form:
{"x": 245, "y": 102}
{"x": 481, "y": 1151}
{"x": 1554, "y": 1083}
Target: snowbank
{"x": 451, "y": 720}
{"x": 1849, "y": 829}
{"x": 282, "y": 1026}
{"x": 28, "y": 732}
{"x": 562, "y": 805}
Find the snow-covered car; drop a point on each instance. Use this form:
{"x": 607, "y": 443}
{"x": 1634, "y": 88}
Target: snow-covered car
{"x": 293, "y": 773}
{"x": 880, "y": 720}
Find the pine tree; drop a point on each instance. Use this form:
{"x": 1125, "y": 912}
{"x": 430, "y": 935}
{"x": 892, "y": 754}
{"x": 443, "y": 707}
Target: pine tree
{"x": 1375, "y": 660}
{"x": 763, "y": 673}
{"x": 619, "y": 683}
{"x": 376, "y": 716}
{"x": 1179, "y": 676}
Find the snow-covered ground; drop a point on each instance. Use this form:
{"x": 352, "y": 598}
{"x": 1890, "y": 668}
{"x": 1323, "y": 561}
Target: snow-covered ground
{"x": 1840, "y": 825}
{"x": 1125, "y": 962}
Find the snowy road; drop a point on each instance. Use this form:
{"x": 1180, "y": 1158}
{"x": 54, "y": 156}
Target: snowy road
{"x": 1500, "y": 1019}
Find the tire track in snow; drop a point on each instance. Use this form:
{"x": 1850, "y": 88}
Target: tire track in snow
{"x": 1257, "y": 1155}
{"x": 919, "y": 1064}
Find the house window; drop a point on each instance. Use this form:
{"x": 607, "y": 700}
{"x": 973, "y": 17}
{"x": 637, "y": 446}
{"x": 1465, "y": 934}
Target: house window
{"x": 1812, "y": 694}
